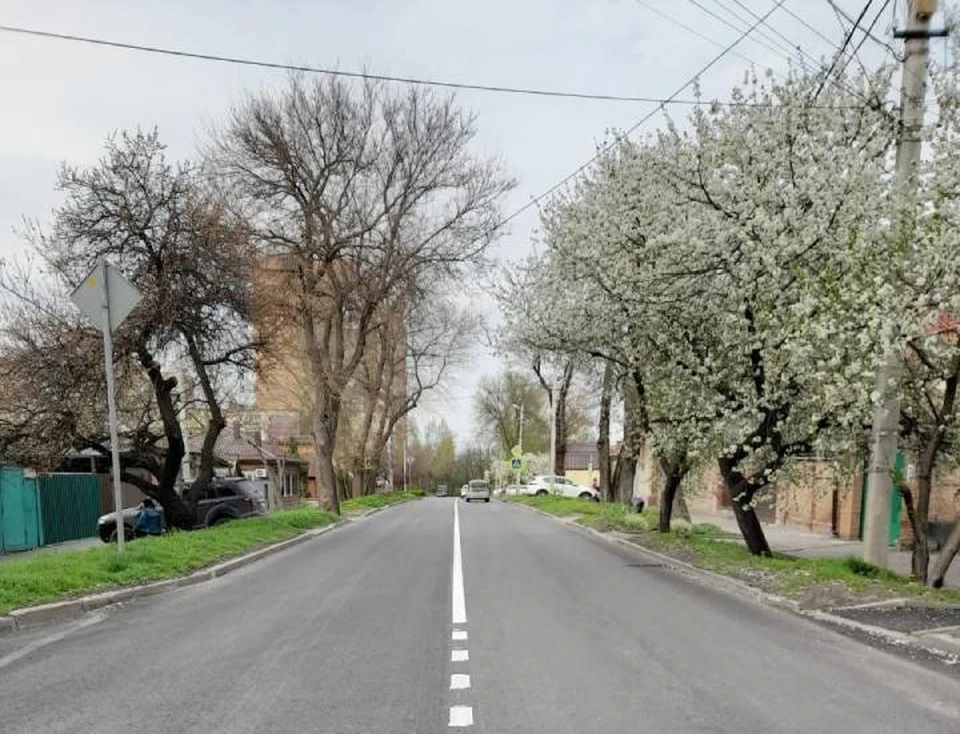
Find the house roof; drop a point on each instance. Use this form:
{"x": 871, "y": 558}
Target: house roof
{"x": 584, "y": 455}
{"x": 232, "y": 446}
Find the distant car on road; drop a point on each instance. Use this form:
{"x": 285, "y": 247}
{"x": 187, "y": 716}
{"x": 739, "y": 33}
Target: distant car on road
{"x": 477, "y": 489}
{"x": 541, "y": 485}
{"x": 441, "y": 490}
{"x": 226, "y": 498}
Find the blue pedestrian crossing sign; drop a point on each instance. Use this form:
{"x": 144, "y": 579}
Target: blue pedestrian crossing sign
{"x": 516, "y": 463}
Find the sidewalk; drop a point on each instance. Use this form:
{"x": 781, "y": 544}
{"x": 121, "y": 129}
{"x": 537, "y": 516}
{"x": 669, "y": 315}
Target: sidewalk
{"x": 70, "y": 545}
{"x": 796, "y": 542}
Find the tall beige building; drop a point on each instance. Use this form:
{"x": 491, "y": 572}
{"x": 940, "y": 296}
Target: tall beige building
{"x": 284, "y": 392}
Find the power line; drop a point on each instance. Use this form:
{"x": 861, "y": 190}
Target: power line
{"x": 379, "y": 77}
{"x": 866, "y": 34}
{"x": 336, "y": 72}
{"x": 840, "y": 11}
{"x": 715, "y": 16}
{"x": 843, "y": 47}
{"x": 790, "y": 48}
{"x": 604, "y": 148}
{"x": 694, "y": 31}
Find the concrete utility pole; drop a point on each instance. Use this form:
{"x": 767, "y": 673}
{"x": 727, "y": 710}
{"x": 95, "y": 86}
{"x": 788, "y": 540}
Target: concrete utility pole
{"x": 886, "y": 416}
{"x": 520, "y": 438}
{"x": 553, "y": 433}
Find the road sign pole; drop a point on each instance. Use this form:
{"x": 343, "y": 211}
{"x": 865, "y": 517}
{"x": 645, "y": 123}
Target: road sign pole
{"x": 111, "y": 401}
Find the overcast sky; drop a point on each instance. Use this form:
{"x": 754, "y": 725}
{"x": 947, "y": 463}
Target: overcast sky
{"x": 61, "y": 99}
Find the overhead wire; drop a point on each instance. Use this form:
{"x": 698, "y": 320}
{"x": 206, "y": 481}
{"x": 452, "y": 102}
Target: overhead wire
{"x": 866, "y": 35}
{"x": 765, "y": 44}
{"x": 843, "y": 47}
{"x": 606, "y": 147}
{"x": 790, "y": 48}
{"x": 799, "y": 54}
{"x": 380, "y": 77}
{"x": 337, "y": 72}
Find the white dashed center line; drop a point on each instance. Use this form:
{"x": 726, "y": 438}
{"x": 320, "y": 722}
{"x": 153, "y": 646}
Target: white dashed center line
{"x": 461, "y": 716}
{"x": 459, "y": 600}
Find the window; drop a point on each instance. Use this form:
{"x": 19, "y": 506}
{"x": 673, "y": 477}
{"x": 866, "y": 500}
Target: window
{"x": 289, "y": 484}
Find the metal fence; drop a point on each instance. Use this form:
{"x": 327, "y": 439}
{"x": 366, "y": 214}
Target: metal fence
{"x": 69, "y": 506}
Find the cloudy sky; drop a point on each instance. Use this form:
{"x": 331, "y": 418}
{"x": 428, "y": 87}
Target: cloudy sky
{"x": 61, "y": 99}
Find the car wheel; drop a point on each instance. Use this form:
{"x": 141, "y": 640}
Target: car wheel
{"x": 585, "y": 496}
{"x": 128, "y": 534}
{"x": 541, "y": 493}
{"x": 219, "y": 520}
{"x": 487, "y": 499}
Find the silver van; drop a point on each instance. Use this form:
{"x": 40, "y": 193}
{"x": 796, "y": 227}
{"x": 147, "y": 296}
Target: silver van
{"x": 477, "y": 489}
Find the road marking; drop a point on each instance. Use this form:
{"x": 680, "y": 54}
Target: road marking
{"x": 459, "y": 656}
{"x": 459, "y": 635}
{"x": 461, "y": 716}
{"x": 459, "y": 601}
{"x": 91, "y": 619}
{"x": 459, "y": 681}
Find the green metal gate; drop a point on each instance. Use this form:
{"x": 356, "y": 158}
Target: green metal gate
{"x": 896, "y": 499}
{"x": 19, "y": 517}
{"x": 69, "y": 506}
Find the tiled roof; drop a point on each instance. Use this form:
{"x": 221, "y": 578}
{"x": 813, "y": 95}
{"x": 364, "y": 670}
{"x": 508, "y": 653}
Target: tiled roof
{"x": 231, "y": 447}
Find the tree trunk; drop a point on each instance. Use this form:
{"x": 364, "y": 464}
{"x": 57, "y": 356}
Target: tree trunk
{"x": 177, "y": 513}
{"x": 751, "y": 529}
{"x": 603, "y": 442}
{"x": 671, "y": 484}
{"x": 560, "y": 458}
{"x": 920, "y": 557}
{"x": 945, "y": 558}
{"x": 632, "y": 442}
{"x": 324, "y": 443}
{"x": 741, "y": 495}
{"x": 680, "y": 505}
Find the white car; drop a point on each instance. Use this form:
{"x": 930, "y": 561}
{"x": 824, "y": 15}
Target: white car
{"x": 562, "y": 486}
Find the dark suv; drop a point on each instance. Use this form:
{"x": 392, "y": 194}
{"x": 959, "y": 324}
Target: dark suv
{"x": 226, "y": 498}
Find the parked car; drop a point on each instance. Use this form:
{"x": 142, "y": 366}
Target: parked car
{"x": 477, "y": 489}
{"x": 226, "y": 498}
{"x": 463, "y": 490}
{"x": 541, "y": 485}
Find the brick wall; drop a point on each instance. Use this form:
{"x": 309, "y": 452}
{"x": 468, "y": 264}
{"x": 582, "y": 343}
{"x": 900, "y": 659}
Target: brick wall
{"x": 805, "y": 496}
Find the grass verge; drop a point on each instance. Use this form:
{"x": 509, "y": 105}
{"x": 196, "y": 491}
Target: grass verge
{"x": 51, "y": 576}
{"x": 373, "y": 501}
{"x": 813, "y": 582}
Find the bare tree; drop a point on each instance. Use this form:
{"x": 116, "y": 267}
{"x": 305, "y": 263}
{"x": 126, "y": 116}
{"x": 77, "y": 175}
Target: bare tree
{"x": 189, "y": 258}
{"x": 360, "y": 191}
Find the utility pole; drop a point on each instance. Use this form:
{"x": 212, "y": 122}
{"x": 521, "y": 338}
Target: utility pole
{"x": 886, "y": 416}
{"x": 520, "y": 438}
{"x": 553, "y": 433}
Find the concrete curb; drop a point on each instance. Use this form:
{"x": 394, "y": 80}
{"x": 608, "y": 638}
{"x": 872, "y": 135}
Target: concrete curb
{"x": 893, "y": 637}
{"x": 35, "y": 616}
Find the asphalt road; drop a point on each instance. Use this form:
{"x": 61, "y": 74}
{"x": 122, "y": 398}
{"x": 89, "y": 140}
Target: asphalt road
{"x": 354, "y": 632}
